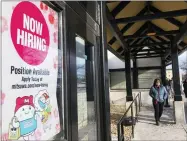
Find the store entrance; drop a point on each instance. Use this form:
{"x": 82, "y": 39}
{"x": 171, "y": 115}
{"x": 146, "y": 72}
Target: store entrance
{"x": 83, "y": 92}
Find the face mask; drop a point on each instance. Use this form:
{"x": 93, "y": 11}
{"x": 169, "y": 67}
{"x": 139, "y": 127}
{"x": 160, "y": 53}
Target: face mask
{"x": 42, "y": 105}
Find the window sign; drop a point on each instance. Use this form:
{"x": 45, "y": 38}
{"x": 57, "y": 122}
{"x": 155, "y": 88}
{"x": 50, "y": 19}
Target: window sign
{"x": 29, "y": 71}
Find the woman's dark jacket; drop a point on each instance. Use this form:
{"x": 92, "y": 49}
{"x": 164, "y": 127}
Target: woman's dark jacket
{"x": 185, "y": 86}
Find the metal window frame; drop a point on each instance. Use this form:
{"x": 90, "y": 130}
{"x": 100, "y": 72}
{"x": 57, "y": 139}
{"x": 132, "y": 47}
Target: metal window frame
{"x": 60, "y": 9}
{"x": 101, "y": 68}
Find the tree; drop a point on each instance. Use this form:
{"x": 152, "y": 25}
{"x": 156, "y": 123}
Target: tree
{"x": 81, "y": 73}
{"x": 183, "y": 66}
{"x": 80, "y": 67}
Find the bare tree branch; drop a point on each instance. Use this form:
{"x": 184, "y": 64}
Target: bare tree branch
{"x": 183, "y": 66}
{"x": 80, "y": 67}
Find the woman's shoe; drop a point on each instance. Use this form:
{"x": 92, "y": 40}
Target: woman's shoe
{"x": 157, "y": 123}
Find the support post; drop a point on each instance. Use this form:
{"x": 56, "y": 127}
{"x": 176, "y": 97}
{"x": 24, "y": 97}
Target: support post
{"x": 135, "y": 74}
{"x": 129, "y": 96}
{"x": 163, "y": 71}
{"x": 175, "y": 70}
{"x": 103, "y": 104}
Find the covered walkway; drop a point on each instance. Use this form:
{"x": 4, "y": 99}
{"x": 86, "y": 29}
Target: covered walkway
{"x": 147, "y": 37}
{"x": 70, "y": 100}
{"x": 145, "y": 128}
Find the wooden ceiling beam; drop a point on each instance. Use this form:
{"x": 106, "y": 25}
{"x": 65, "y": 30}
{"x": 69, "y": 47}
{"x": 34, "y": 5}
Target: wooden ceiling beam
{"x": 171, "y": 20}
{"x": 154, "y": 34}
{"x": 136, "y": 41}
{"x": 153, "y": 41}
{"x": 148, "y": 57}
{"x": 115, "y": 30}
{"x": 122, "y": 53}
{"x": 158, "y": 29}
{"x": 182, "y": 44}
{"x": 136, "y": 50}
{"x": 160, "y": 39}
{"x": 167, "y": 54}
{"x": 160, "y": 47}
{"x": 156, "y": 49}
{"x": 119, "y": 7}
{"x": 122, "y": 31}
{"x": 114, "y": 12}
{"x": 151, "y": 44}
{"x": 140, "y": 48}
{"x": 119, "y": 50}
{"x": 180, "y": 36}
{"x": 110, "y": 1}
{"x": 128, "y": 26}
{"x": 149, "y": 54}
{"x": 115, "y": 53}
{"x": 159, "y": 15}
{"x": 142, "y": 30}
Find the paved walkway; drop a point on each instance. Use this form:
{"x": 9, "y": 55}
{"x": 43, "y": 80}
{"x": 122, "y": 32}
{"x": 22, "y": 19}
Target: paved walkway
{"x": 146, "y": 129}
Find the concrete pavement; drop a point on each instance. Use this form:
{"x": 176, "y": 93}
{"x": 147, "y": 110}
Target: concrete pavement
{"x": 146, "y": 129}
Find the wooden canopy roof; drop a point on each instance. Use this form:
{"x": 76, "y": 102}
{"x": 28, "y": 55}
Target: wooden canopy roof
{"x": 146, "y": 29}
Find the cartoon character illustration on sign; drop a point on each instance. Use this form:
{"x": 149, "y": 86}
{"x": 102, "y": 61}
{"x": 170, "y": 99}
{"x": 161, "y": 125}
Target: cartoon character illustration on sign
{"x": 43, "y": 106}
{"x": 24, "y": 122}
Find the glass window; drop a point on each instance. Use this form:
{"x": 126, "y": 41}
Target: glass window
{"x": 118, "y": 80}
{"x": 85, "y": 91}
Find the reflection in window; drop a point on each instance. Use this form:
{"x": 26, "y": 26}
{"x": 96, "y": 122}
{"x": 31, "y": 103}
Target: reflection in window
{"x": 85, "y": 94}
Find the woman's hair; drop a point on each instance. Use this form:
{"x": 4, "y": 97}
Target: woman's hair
{"x": 157, "y": 79}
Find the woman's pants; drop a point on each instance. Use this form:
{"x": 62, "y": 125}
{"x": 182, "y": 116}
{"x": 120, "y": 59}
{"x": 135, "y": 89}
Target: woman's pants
{"x": 158, "y": 110}
{"x": 185, "y": 92}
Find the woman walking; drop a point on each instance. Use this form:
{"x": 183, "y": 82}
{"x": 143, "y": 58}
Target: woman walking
{"x": 159, "y": 95}
{"x": 185, "y": 87}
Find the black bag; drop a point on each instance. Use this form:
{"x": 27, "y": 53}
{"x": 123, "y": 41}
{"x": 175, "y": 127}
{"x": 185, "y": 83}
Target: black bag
{"x": 128, "y": 121}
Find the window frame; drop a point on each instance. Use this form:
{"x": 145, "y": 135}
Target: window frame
{"x": 59, "y": 7}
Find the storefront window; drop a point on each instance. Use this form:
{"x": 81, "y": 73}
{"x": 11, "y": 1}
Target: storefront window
{"x": 85, "y": 91}
{"x": 32, "y": 72}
